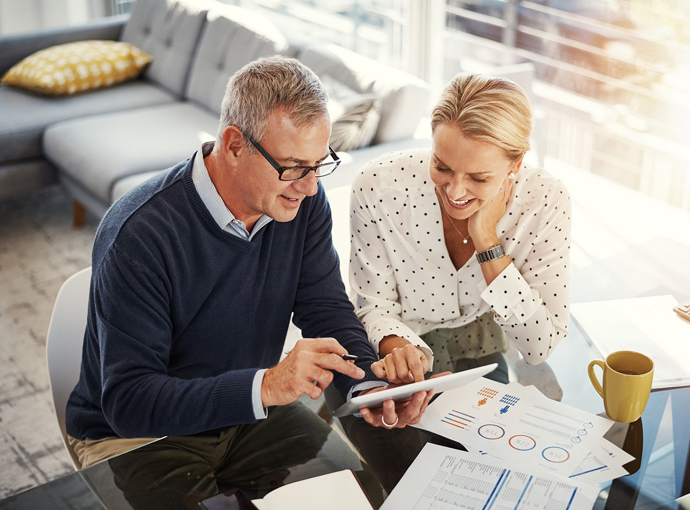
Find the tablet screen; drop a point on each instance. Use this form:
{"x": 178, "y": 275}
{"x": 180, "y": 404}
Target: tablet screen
{"x": 404, "y": 392}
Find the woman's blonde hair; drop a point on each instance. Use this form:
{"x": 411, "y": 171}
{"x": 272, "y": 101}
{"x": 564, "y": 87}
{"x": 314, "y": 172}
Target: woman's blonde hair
{"x": 487, "y": 108}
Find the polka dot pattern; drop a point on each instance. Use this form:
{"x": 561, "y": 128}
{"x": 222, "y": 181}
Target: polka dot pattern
{"x": 76, "y": 67}
{"x": 405, "y": 283}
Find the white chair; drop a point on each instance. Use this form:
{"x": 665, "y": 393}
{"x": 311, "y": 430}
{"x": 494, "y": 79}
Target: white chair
{"x": 64, "y": 345}
{"x": 63, "y": 354}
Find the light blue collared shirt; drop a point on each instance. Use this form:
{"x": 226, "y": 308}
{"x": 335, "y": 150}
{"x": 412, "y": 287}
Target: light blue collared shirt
{"x": 214, "y": 203}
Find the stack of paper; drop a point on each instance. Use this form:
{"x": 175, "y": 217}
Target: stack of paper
{"x": 519, "y": 424}
{"x": 443, "y": 478}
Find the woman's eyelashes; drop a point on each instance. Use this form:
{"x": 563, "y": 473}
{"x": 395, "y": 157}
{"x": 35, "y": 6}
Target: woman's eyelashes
{"x": 477, "y": 179}
{"x": 445, "y": 170}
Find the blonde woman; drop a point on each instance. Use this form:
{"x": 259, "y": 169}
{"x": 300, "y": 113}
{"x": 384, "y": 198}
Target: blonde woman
{"x": 460, "y": 250}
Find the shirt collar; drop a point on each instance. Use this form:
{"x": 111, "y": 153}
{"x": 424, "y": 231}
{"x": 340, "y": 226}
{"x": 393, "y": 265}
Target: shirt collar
{"x": 214, "y": 203}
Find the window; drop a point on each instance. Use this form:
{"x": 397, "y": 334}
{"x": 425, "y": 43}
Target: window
{"x": 611, "y": 80}
{"x": 374, "y": 28}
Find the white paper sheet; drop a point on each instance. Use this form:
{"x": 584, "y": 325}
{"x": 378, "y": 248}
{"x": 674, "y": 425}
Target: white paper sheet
{"x": 441, "y": 478}
{"x": 647, "y": 325}
{"x": 336, "y": 491}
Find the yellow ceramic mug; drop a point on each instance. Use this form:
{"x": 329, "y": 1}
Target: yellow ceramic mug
{"x": 627, "y": 383}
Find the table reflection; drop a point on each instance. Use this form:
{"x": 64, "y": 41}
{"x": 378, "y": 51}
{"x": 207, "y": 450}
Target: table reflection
{"x": 175, "y": 473}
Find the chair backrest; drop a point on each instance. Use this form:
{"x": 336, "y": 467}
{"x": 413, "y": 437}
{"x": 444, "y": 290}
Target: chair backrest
{"x": 64, "y": 344}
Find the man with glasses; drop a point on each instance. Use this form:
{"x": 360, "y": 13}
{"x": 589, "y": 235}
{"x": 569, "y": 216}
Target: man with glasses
{"x": 196, "y": 274}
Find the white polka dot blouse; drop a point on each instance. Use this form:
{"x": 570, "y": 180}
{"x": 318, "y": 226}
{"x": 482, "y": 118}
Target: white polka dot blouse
{"x": 404, "y": 281}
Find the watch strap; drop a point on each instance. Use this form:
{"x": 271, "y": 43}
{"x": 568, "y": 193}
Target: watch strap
{"x": 493, "y": 253}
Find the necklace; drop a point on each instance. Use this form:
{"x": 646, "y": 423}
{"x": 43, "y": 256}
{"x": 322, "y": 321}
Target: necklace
{"x": 443, "y": 207}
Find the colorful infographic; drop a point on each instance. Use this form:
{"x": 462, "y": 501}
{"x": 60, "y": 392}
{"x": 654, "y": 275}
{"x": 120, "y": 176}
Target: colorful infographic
{"x": 516, "y": 423}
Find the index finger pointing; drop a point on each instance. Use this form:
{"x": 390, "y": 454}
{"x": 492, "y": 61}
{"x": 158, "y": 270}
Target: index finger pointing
{"x": 332, "y": 361}
{"x": 414, "y": 363}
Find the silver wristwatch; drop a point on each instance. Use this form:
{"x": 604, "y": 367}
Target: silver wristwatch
{"x": 493, "y": 253}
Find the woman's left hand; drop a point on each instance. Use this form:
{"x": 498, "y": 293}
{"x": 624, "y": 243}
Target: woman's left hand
{"x": 482, "y": 224}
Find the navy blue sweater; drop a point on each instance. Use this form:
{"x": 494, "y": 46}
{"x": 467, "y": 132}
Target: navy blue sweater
{"x": 182, "y": 314}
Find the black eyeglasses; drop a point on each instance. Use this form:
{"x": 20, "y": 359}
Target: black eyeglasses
{"x": 292, "y": 173}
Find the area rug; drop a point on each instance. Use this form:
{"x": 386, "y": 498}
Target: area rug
{"x": 39, "y": 250}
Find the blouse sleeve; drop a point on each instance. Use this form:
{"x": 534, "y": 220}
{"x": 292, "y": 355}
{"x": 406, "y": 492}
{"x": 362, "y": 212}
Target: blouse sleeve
{"x": 372, "y": 277}
{"x": 530, "y": 298}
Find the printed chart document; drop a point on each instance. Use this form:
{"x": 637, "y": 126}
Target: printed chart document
{"x": 647, "y": 325}
{"x": 335, "y": 491}
{"x": 441, "y": 478}
{"x": 602, "y": 464}
{"x": 517, "y": 424}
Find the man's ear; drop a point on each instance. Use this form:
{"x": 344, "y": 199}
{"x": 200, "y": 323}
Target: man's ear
{"x": 233, "y": 142}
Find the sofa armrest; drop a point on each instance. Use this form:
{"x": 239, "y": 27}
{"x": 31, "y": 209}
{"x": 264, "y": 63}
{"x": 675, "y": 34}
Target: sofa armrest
{"x": 15, "y": 47}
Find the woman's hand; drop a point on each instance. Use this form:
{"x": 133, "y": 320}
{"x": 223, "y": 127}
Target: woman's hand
{"x": 398, "y": 415}
{"x": 402, "y": 362}
{"x": 482, "y": 224}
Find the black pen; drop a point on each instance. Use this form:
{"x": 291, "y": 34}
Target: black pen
{"x": 346, "y": 357}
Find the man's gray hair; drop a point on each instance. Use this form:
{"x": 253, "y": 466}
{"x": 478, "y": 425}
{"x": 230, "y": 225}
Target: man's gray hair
{"x": 259, "y": 87}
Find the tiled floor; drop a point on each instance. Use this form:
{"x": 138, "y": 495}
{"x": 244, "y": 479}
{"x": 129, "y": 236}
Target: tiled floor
{"x": 39, "y": 250}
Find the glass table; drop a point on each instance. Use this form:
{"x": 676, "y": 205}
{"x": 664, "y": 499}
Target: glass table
{"x": 660, "y": 442}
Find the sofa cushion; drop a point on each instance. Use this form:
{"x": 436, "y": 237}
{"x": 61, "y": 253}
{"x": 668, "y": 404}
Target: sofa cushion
{"x": 26, "y": 115}
{"x": 404, "y": 98}
{"x": 354, "y": 116}
{"x": 168, "y": 30}
{"x": 98, "y": 151}
{"x": 67, "y": 69}
{"x": 232, "y": 37}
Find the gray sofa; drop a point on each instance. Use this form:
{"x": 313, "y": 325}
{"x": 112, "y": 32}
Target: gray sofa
{"x": 100, "y": 144}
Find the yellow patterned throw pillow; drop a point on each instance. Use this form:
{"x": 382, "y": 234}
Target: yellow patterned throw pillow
{"x": 76, "y": 67}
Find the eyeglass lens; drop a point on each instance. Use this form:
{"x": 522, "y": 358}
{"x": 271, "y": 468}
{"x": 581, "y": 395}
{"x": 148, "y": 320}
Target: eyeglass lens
{"x": 291, "y": 174}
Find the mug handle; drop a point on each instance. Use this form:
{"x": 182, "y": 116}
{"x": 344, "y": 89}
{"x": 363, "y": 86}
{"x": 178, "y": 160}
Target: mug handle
{"x": 593, "y": 378}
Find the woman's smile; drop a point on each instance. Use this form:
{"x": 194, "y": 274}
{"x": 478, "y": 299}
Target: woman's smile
{"x": 460, "y": 203}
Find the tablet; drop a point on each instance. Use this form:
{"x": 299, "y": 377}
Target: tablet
{"x": 439, "y": 384}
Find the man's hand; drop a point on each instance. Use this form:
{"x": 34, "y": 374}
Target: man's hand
{"x": 306, "y": 370}
{"x": 404, "y": 413}
{"x": 402, "y": 361}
